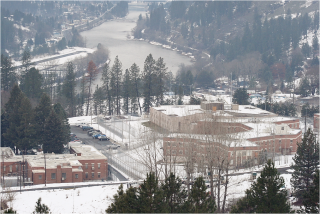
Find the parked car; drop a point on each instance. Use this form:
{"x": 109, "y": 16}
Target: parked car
{"x": 95, "y": 136}
{"x": 85, "y": 128}
{"x": 103, "y": 137}
{"x": 81, "y": 124}
{"x": 94, "y": 133}
{"x": 90, "y": 131}
{"x": 113, "y": 146}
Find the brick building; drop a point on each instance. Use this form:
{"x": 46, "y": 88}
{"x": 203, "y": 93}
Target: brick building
{"x": 83, "y": 164}
{"x": 316, "y": 122}
{"x": 249, "y": 130}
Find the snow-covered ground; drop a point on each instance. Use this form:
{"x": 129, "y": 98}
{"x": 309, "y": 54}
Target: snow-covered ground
{"x": 79, "y": 200}
{"x": 75, "y": 52}
{"x": 96, "y": 199}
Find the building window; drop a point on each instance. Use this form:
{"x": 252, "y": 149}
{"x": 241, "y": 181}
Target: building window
{"x": 87, "y": 175}
{"x": 76, "y": 176}
{"x": 92, "y": 165}
{"x": 86, "y": 166}
{"x": 231, "y": 162}
{"x": 180, "y": 152}
{"x": 10, "y": 168}
{"x": 282, "y": 128}
{"x": 53, "y": 175}
{"x": 168, "y": 143}
{"x": 17, "y": 168}
{"x": 291, "y": 141}
{"x": 279, "y": 141}
{"x": 4, "y": 168}
{"x": 99, "y": 165}
{"x": 40, "y": 177}
{"x": 64, "y": 175}
{"x": 98, "y": 174}
{"x": 92, "y": 174}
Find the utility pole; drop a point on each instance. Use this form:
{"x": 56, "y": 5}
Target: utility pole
{"x": 45, "y": 169}
{"x": 231, "y": 87}
{"x": 129, "y": 134}
{"x": 20, "y": 175}
{"x": 2, "y": 169}
{"x": 305, "y": 121}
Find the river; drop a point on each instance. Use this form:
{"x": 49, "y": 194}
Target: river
{"x": 113, "y": 35}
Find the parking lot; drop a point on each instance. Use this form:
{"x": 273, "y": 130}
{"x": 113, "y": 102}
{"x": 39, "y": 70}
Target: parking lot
{"x": 88, "y": 140}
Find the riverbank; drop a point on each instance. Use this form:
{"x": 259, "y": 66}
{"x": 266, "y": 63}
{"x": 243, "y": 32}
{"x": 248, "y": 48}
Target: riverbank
{"x": 116, "y": 36}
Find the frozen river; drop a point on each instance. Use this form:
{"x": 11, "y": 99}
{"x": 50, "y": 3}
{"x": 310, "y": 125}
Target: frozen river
{"x": 114, "y": 35}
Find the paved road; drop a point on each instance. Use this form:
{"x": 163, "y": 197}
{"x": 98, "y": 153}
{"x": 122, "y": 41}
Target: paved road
{"x": 67, "y": 187}
{"x": 100, "y": 145}
{"x": 280, "y": 170}
{"x": 51, "y": 58}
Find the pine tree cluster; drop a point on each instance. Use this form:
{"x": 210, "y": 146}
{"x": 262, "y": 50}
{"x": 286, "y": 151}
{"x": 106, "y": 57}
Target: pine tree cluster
{"x": 170, "y": 196}
{"x": 24, "y": 127}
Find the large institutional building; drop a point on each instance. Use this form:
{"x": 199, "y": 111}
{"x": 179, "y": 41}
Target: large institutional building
{"x": 242, "y": 132}
{"x": 83, "y": 164}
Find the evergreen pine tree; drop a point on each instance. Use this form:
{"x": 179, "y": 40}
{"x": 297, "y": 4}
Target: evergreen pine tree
{"x": 20, "y": 130}
{"x": 175, "y": 195}
{"x": 98, "y": 100}
{"x": 41, "y": 114}
{"x": 106, "y": 78}
{"x": 10, "y": 210}
{"x": 54, "y": 134}
{"x": 135, "y": 83}
{"x": 150, "y": 195}
{"x": 305, "y": 165}
{"x": 89, "y": 79}
{"x": 16, "y": 96}
{"x": 199, "y": 199}
{"x": 5, "y": 142}
{"x": 41, "y": 208}
{"x": 26, "y": 61}
{"x": 8, "y": 76}
{"x": 266, "y": 194}
{"x": 160, "y": 74}
{"x": 64, "y": 121}
{"x": 126, "y": 91}
{"x": 311, "y": 202}
{"x": 125, "y": 202}
{"x": 31, "y": 84}
{"x": 116, "y": 80}
{"x": 68, "y": 89}
{"x": 148, "y": 81}
{"x": 241, "y": 96}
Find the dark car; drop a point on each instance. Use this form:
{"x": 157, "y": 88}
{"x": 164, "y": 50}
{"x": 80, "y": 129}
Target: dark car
{"x": 103, "y": 137}
{"x": 85, "y": 128}
{"x": 95, "y": 136}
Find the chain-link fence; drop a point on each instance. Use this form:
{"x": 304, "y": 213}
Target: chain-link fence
{"x": 127, "y": 164}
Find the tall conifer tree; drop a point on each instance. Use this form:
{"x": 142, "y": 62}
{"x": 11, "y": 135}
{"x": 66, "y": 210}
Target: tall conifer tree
{"x": 266, "y": 195}
{"x": 135, "y": 83}
{"x": 306, "y": 161}
{"x": 106, "y": 78}
{"x": 148, "y": 80}
{"x": 68, "y": 88}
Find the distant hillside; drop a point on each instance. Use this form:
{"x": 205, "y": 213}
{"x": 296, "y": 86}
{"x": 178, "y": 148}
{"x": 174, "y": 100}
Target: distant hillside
{"x": 268, "y": 42}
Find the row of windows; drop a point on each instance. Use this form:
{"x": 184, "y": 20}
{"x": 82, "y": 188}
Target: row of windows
{"x": 92, "y": 175}
{"x": 10, "y": 168}
{"x": 64, "y": 175}
{"x": 92, "y": 166}
{"x": 273, "y": 141}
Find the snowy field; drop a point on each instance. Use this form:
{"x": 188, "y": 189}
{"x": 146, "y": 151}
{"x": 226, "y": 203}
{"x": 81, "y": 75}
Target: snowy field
{"x": 78, "y": 200}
